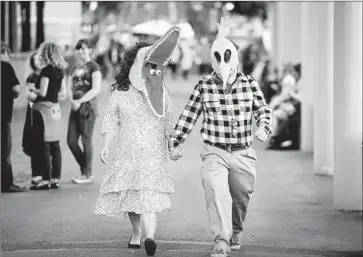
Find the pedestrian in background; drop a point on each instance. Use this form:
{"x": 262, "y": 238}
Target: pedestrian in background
{"x": 50, "y": 87}
{"x": 10, "y": 89}
{"x": 205, "y": 65}
{"x": 187, "y": 58}
{"x": 27, "y": 143}
{"x": 83, "y": 88}
{"x": 175, "y": 61}
{"x": 71, "y": 58}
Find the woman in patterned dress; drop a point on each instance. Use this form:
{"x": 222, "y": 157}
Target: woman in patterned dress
{"x": 139, "y": 112}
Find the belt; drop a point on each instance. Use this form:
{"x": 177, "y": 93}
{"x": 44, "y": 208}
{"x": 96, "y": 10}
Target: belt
{"x": 228, "y": 147}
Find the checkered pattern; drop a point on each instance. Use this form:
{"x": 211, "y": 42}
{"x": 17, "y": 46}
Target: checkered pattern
{"x": 227, "y": 116}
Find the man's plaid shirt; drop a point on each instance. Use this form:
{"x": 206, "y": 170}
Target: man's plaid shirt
{"x": 227, "y": 116}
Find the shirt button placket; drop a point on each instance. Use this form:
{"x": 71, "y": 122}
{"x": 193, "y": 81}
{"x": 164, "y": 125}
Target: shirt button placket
{"x": 231, "y": 117}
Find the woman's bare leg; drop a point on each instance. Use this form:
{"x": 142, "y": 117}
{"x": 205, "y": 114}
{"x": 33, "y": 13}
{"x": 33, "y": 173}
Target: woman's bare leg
{"x": 150, "y": 223}
{"x": 136, "y": 226}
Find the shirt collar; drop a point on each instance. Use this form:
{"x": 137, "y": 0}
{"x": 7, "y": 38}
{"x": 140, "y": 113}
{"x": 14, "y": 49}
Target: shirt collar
{"x": 218, "y": 81}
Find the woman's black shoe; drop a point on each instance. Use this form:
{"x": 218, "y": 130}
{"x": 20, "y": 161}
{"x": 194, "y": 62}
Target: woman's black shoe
{"x": 133, "y": 246}
{"x": 42, "y": 185}
{"x": 150, "y": 247}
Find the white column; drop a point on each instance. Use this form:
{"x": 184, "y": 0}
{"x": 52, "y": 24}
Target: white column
{"x": 348, "y": 105}
{"x": 308, "y": 74}
{"x": 273, "y": 16}
{"x": 7, "y": 22}
{"x": 322, "y": 83}
{"x": 288, "y": 32}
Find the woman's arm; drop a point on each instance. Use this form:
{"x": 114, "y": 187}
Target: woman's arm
{"x": 70, "y": 89}
{"x": 168, "y": 121}
{"x": 107, "y": 139}
{"x": 42, "y": 91}
{"x": 96, "y": 88}
{"x": 62, "y": 95}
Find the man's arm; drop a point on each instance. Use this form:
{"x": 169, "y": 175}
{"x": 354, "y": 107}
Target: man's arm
{"x": 16, "y": 90}
{"x": 261, "y": 111}
{"x": 188, "y": 117}
{"x": 14, "y": 82}
{"x": 96, "y": 88}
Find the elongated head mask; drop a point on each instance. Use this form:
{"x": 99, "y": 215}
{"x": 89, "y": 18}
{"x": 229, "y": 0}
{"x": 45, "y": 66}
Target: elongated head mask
{"x": 224, "y": 55}
{"x": 147, "y": 72}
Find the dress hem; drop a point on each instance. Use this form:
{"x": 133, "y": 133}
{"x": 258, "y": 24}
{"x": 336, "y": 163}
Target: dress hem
{"x": 124, "y": 214}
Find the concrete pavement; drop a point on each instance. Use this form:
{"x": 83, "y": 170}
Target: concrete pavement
{"x": 291, "y": 212}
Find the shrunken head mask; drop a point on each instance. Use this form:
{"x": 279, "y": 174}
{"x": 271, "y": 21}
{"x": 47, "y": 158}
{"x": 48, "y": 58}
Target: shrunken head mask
{"x": 224, "y": 55}
{"x": 147, "y": 72}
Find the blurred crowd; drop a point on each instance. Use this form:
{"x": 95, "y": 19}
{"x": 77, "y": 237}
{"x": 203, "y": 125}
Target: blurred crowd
{"x": 282, "y": 93}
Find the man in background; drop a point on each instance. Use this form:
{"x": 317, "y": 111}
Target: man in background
{"x": 10, "y": 89}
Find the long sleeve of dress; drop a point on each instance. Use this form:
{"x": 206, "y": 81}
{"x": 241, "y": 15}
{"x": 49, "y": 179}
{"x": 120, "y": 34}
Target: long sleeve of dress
{"x": 111, "y": 119}
{"x": 168, "y": 122}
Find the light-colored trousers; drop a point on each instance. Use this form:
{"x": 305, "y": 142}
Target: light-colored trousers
{"x": 228, "y": 179}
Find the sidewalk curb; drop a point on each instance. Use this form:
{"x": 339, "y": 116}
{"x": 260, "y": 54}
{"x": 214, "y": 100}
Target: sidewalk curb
{"x": 174, "y": 247}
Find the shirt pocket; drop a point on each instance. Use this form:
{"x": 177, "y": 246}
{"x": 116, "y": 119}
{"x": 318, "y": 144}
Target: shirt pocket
{"x": 212, "y": 104}
{"x": 245, "y": 101}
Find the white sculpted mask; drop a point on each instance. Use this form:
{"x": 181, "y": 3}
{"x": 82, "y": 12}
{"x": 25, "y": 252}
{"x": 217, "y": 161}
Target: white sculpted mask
{"x": 224, "y": 55}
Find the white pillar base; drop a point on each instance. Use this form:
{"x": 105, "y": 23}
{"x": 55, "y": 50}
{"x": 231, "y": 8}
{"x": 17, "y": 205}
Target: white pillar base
{"x": 322, "y": 61}
{"x": 307, "y": 77}
{"x": 324, "y": 171}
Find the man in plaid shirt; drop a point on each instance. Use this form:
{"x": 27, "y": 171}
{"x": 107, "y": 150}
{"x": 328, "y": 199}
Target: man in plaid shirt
{"x": 227, "y": 117}
{"x": 228, "y": 101}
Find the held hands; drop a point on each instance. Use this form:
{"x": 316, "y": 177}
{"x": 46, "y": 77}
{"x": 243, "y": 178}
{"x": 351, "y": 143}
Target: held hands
{"x": 261, "y": 134}
{"x": 175, "y": 153}
{"x": 104, "y": 154}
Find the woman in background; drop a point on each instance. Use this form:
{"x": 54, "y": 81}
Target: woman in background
{"x": 27, "y": 133}
{"x": 49, "y": 88}
{"x": 83, "y": 88}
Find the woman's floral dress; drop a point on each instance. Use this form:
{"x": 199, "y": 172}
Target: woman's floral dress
{"x": 138, "y": 179}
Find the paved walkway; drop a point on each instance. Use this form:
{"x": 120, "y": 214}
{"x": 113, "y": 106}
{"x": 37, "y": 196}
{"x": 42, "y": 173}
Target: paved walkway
{"x": 291, "y": 211}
